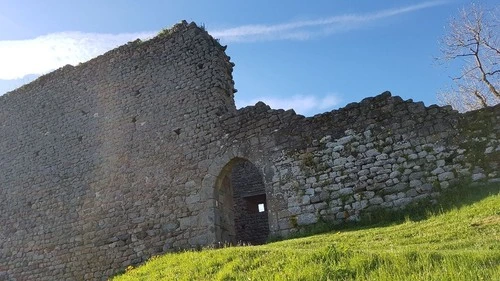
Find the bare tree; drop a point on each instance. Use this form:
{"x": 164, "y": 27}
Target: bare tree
{"x": 473, "y": 43}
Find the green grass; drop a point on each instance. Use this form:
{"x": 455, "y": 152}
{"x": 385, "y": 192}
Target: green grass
{"x": 457, "y": 240}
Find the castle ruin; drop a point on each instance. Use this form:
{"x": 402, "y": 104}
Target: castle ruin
{"x": 142, "y": 151}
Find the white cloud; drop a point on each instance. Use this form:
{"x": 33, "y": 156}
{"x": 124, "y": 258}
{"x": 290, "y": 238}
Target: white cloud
{"x": 301, "y": 30}
{"x": 302, "y": 104}
{"x": 45, "y": 53}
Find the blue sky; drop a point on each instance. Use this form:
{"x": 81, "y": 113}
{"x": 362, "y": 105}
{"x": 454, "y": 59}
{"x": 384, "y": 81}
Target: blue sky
{"x": 313, "y": 56}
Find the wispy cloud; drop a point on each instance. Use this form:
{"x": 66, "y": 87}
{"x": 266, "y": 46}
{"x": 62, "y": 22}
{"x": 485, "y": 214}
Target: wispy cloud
{"x": 45, "y": 53}
{"x": 301, "y": 30}
{"x": 302, "y": 104}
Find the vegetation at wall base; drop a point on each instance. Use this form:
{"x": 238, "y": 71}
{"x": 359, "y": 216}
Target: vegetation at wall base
{"x": 456, "y": 239}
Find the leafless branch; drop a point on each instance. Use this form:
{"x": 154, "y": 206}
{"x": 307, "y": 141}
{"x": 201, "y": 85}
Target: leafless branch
{"x": 473, "y": 40}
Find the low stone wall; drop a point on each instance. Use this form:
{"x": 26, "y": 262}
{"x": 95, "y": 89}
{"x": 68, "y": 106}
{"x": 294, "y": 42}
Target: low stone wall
{"x": 341, "y": 179}
{"x": 382, "y": 152}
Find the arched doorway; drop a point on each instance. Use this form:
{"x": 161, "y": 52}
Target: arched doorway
{"x": 241, "y": 205}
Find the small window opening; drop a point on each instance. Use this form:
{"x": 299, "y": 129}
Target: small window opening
{"x": 256, "y": 204}
{"x": 262, "y": 207}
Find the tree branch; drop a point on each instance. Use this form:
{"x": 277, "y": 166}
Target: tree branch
{"x": 481, "y": 98}
{"x": 473, "y": 41}
{"x": 484, "y": 77}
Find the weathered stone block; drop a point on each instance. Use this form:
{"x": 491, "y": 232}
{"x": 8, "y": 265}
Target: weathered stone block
{"x": 478, "y": 177}
{"x": 424, "y": 188}
{"x": 306, "y": 219}
{"x": 372, "y": 153}
{"x": 446, "y": 176}
{"x": 415, "y": 183}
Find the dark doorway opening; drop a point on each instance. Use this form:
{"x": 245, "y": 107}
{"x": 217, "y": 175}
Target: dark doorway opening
{"x": 241, "y": 204}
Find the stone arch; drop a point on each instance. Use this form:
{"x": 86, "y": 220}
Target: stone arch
{"x": 240, "y": 203}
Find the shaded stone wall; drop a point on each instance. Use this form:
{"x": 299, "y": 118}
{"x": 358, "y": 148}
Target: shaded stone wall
{"x": 129, "y": 155}
{"x": 252, "y": 226}
{"x": 99, "y": 162}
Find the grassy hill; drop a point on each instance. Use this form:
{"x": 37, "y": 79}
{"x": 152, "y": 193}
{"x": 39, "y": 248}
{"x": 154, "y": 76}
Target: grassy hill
{"x": 458, "y": 239}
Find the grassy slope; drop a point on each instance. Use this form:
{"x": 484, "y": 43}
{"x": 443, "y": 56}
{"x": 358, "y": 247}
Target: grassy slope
{"x": 461, "y": 242}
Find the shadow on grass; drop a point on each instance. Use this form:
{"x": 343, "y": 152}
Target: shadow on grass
{"x": 454, "y": 197}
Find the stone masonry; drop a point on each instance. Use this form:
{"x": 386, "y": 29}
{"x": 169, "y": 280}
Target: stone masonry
{"x": 142, "y": 151}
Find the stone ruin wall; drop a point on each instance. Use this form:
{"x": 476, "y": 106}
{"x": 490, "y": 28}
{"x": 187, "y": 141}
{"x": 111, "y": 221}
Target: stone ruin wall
{"x": 134, "y": 153}
{"x": 99, "y": 162}
{"x": 410, "y": 153}
{"x": 380, "y": 153}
